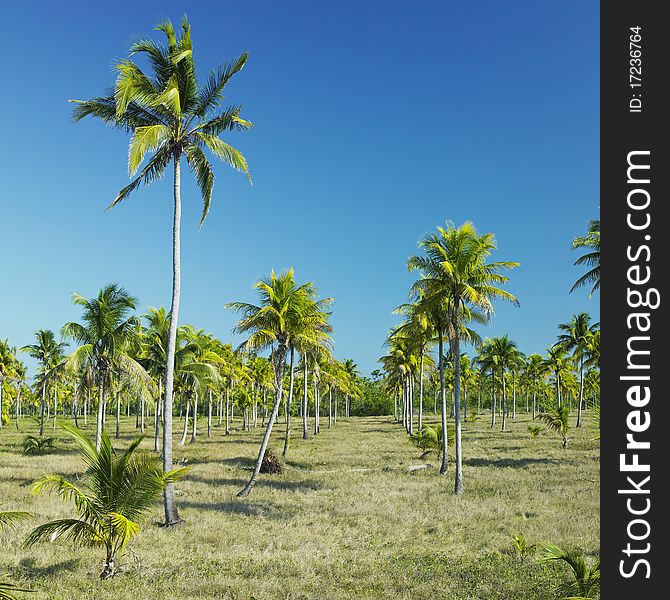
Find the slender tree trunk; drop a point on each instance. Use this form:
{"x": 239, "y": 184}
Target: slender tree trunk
{"x": 456, "y": 353}
{"x": 42, "y": 408}
{"x": 287, "y": 439}
{"x": 410, "y": 387}
{"x": 209, "y": 416}
{"x": 330, "y": 407}
{"x": 55, "y": 403}
{"x": 194, "y": 434}
{"x": 513, "y": 395}
{"x": 143, "y": 411}
{"x": 280, "y": 357}
{"x": 493, "y": 398}
{"x": 305, "y": 435}
{"x": 101, "y": 412}
{"x": 228, "y": 409}
{"x": 182, "y": 441}
{"x": 118, "y": 415}
{"x": 169, "y": 500}
{"x": 420, "y": 423}
{"x": 504, "y": 402}
{"x": 159, "y": 417}
{"x": 534, "y": 401}
{"x": 581, "y": 393}
{"x": 444, "y": 467}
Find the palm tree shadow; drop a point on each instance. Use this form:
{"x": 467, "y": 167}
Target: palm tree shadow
{"x": 264, "y": 481}
{"x": 32, "y": 571}
{"x": 514, "y": 463}
{"x": 245, "y": 508}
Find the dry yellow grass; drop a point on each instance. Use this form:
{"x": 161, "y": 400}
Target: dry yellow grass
{"x": 345, "y": 520}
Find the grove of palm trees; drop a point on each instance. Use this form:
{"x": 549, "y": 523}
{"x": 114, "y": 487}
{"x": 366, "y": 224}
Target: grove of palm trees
{"x": 146, "y": 451}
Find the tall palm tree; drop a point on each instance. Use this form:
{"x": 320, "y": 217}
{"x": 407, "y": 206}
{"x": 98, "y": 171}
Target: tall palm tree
{"x": 105, "y": 338}
{"x": 591, "y": 242}
{"x": 576, "y": 337}
{"x": 460, "y": 284}
{"x": 170, "y": 114}
{"x": 285, "y": 311}
{"x": 47, "y": 351}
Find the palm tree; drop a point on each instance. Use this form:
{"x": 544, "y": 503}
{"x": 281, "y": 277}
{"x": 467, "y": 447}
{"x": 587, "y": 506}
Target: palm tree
{"x": 459, "y": 284}
{"x": 285, "y": 312}
{"x": 174, "y": 117}
{"x": 105, "y": 338}
{"x": 557, "y": 419}
{"x": 121, "y": 488}
{"x": 47, "y": 351}
{"x": 577, "y": 337}
{"x": 586, "y": 579}
{"x": 591, "y": 242}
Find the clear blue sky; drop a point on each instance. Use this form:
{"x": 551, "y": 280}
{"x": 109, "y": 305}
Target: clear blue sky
{"x": 374, "y": 123}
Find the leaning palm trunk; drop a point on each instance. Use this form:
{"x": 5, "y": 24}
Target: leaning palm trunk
{"x": 279, "y": 381}
{"x": 169, "y": 501}
{"x": 444, "y": 467}
{"x": 287, "y": 439}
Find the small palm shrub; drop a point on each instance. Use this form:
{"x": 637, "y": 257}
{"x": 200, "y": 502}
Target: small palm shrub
{"x": 120, "y": 488}
{"x": 535, "y": 430}
{"x": 429, "y": 439}
{"x": 36, "y": 445}
{"x": 271, "y": 463}
{"x": 521, "y": 546}
{"x": 556, "y": 419}
{"x": 586, "y": 579}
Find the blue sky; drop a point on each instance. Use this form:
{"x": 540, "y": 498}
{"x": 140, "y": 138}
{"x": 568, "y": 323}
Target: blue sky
{"x": 374, "y": 123}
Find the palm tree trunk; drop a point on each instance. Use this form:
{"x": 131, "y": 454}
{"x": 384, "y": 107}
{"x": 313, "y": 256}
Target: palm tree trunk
{"x": 504, "y": 402}
{"x": 182, "y": 441}
{"x": 581, "y": 393}
{"x": 513, "y": 395}
{"x": 118, "y": 415}
{"x": 42, "y": 408}
{"x": 280, "y": 358}
{"x": 456, "y": 353}
{"x": 209, "y": 416}
{"x": 169, "y": 501}
{"x": 493, "y": 398}
{"x": 228, "y": 410}
{"x": 159, "y": 418}
{"x": 420, "y": 423}
{"x": 410, "y": 429}
{"x": 304, "y": 399}
{"x": 101, "y": 412}
{"x": 55, "y": 403}
{"x": 330, "y": 406}
{"x": 287, "y": 439}
{"x": 444, "y": 467}
{"x": 194, "y": 434}
{"x": 143, "y": 411}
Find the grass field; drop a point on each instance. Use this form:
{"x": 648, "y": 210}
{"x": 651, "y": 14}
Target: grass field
{"x": 345, "y": 520}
